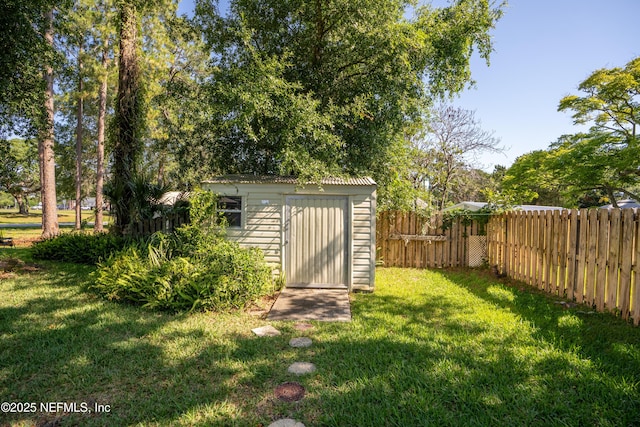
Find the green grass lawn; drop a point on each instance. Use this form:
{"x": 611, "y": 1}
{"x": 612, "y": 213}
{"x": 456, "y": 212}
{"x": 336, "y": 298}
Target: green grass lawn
{"x": 426, "y": 348}
{"x": 11, "y": 216}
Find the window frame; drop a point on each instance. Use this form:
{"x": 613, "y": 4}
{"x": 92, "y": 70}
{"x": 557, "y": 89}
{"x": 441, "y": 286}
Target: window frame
{"x": 225, "y": 213}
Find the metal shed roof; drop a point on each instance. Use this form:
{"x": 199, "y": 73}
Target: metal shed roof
{"x": 275, "y": 179}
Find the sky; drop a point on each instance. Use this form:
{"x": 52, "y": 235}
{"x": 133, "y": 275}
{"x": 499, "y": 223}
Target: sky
{"x": 543, "y": 49}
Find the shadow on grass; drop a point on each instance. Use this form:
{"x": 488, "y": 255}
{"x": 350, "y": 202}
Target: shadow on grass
{"x": 61, "y": 344}
{"x": 608, "y": 341}
{"x": 425, "y": 360}
{"x": 424, "y": 356}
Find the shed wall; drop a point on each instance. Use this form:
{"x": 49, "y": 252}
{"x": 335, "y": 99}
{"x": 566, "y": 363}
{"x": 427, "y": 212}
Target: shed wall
{"x": 263, "y": 216}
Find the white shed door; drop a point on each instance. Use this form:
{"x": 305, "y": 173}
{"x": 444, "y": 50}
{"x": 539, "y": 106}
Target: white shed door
{"x": 316, "y": 241}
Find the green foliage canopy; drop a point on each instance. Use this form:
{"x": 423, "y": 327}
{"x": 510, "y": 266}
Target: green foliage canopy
{"x": 608, "y": 156}
{"x": 19, "y": 170}
{"x": 23, "y": 55}
{"x": 327, "y": 87}
{"x": 532, "y": 180}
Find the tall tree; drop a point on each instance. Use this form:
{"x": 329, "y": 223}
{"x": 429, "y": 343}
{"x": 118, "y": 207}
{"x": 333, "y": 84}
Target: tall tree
{"x": 102, "y": 113}
{"x": 605, "y": 158}
{"x": 327, "y": 87}
{"x": 598, "y": 161}
{"x": 46, "y": 147}
{"x": 89, "y": 24}
{"x": 452, "y": 140}
{"x": 79, "y": 134}
{"x": 26, "y": 87}
{"x": 532, "y": 180}
{"x": 127, "y": 146}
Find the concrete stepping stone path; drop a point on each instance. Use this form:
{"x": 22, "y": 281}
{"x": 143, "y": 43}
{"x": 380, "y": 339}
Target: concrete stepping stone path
{"x": 290, "y": 391}
{"x": 300, "y": 342}
{"x": 301, "y": 368}
{"x": 286, "y": 422}
{"x": 266, "y": 331}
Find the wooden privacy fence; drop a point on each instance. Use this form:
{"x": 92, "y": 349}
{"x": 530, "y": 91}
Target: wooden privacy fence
{"x": 406, "y": 239}
{"x": 590, "y": 256}
{"x": 166, "y": 223}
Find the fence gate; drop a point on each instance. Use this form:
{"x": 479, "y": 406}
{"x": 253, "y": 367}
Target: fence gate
{"x": 316, "y": 241}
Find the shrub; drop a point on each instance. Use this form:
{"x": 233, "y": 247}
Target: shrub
{"x": 185, "y": 271}
{"x": 79, "y": 247}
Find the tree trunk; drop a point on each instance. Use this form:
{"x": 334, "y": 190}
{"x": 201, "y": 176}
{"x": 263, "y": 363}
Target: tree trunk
{"x": 102, "y": 111}
{"x": 126, "y": 150}
{"x": 79, "y": 130}
{"x": 23, "y": 203}
{"x": 45, "y": 149}
{"x": 161, "y": 162}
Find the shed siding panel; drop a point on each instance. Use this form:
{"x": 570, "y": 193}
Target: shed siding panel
{"x": 263, "y": 222}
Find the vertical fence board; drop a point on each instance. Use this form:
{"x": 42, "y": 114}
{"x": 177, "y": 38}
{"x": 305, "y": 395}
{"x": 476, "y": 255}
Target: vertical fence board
{"x": 528, "y": 245}
{"x": 572, "y": 254}
{"x": 635, "y": 291}
{"x": 521, "y": 245}
{"x": 601, "y": 262}
{"x": 626, "y": 256}
{"x": 611, "y": 296}
{"x": 555, "y": 243}
{"x": 582, "y": 254}
{"x": 563, "y": 235}
{"x": 515, "y": 244}
{"x": 540, "y": 221}
{"x": 534, "y": 249}
{"x": 590, "y": 292}
{"x": 548, "y": 235}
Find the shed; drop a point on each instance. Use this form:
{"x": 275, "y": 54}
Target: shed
{"x": 319, "y": 236}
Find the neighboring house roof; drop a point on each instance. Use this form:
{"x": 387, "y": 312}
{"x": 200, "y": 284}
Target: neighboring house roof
{"x": 623, "y": 204}
{"x": 274, "y": 179}
{"x": 476, "y": 206}
{"x": 470, "y": 206}
{"x": 171, "y": 197}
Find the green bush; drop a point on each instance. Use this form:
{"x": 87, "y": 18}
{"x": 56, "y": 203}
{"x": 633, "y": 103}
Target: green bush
{"x": 185, "y": 271}
{"x": 79, "y": 247}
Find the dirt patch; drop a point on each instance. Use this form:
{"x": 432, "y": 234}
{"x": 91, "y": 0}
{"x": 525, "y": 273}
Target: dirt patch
{"x": 261, "y": 307}
{"x": 11, "y": 265}
{"x": 289, "y": 392}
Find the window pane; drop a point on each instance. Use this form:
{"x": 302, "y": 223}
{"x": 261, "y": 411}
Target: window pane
{"x": 230, "y": 203}
{"x": 233, "y": 219}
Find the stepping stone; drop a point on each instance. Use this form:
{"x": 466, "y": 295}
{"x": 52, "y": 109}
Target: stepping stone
{"x": 289, "y": 392}
{"x": 286, "y": 422}
{"x": 303, "y": 326}
{"x": 300, "y": 342}
{"x": 301, "y": 368}
{"x": 266, "y": 331}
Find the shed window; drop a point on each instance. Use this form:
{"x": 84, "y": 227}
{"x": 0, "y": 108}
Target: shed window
{"x": 231, "y": 209}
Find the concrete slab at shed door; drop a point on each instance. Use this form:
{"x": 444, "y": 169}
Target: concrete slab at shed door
{"x": 317, "y": 241}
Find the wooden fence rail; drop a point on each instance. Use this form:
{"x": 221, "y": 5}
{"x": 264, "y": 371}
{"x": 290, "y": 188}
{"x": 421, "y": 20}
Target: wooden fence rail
{"x": 165, "y": 223}
{"x": 590, "y": 256}
{"x": 405, "y": 239}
